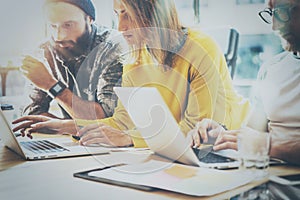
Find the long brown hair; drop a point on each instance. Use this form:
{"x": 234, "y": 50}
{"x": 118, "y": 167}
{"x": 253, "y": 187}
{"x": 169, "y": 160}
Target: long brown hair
{"x": 158, "y": 24}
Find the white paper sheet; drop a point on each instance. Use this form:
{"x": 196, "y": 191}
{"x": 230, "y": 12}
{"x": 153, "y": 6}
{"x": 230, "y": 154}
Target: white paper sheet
{"x": 179, "y": 178}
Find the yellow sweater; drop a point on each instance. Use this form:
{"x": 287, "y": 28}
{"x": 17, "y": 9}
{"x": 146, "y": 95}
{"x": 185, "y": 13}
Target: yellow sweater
{"x": 197, "y": 86}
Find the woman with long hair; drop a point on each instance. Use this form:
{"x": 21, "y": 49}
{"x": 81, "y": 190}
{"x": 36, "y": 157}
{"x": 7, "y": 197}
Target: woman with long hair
{"x": 184, "y": 64}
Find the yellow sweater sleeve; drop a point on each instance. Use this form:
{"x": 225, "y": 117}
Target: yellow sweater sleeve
{"x": 205, "y": 61}
{"x": 211, "y": 90}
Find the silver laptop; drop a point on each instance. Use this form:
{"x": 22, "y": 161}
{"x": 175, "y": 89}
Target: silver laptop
{"x": 33, "y": 149}
{"x": 160, "y": 130}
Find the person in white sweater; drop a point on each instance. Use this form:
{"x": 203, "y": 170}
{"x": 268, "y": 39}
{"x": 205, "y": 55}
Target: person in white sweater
{"x": 277, "y": 105}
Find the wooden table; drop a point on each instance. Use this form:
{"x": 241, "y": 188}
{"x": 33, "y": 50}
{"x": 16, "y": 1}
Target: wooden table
{"x": 53, "y": 179}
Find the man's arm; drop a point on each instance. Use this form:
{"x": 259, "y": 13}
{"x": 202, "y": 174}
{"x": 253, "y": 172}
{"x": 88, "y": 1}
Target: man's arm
{"x": 104, "y": 77}
{"x": 78, "y": 108}
{"x": 38, "y": 74}
{"x": 286, "y": 146}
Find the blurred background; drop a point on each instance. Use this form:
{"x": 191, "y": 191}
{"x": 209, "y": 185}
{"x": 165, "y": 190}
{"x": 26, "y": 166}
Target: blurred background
{"x": 23, "y": 29}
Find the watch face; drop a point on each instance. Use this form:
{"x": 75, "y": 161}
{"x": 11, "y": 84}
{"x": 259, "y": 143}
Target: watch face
{"x": 57, "y": 88}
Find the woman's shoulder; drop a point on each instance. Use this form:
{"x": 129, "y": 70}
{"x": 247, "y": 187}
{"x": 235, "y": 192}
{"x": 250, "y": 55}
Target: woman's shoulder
{"x": 198, "y": 35}
{"x": 199, "y": 45}
{"x": 199, "y": 39}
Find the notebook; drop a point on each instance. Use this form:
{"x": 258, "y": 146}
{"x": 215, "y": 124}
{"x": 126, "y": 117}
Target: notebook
{"x": 33, "y": 149}
{"x": 159, "y": 129}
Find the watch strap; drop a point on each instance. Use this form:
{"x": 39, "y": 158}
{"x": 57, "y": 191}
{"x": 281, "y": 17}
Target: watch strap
{"x": 57, "y": 88}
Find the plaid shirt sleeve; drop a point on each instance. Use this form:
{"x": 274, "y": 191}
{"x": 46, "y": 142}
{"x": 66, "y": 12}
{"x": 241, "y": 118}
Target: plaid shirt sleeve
{"x": 109, "y": 58}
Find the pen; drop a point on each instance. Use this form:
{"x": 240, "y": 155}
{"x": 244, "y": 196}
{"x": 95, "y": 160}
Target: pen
{"x": 76, "y": 138}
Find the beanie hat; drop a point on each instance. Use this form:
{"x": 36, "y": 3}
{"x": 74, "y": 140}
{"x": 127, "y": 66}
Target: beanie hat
{"x": 86, "y": 5}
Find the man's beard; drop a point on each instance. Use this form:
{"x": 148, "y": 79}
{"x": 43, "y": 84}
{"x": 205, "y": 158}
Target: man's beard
{"x": 73, "y": 49}
{"x": 290, "y": 40}
{"x": 293, "y": 46}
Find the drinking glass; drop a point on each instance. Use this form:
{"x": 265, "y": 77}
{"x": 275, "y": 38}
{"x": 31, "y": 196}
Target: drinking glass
{"x": 253, "y": 149}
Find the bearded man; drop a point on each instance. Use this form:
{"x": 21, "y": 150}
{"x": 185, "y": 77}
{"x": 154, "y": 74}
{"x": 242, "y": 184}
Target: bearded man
{"x": 82, "y": 64}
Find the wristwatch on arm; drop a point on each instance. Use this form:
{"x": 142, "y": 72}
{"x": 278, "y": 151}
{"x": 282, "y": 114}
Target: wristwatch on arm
{"x": 56, "y": 89}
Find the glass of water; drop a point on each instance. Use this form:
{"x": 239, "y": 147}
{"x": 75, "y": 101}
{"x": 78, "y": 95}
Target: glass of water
{"x": 253, "y": 149}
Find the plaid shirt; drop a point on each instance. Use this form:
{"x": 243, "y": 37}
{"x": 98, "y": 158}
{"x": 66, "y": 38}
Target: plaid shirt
{"x": 90, "y": 76}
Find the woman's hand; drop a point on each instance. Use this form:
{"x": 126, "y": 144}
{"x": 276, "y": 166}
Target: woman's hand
{"x": 209, "y": 131}
{"x": 226, "y": 140}
{"x": 205, "y": 131}
{"x": 42, "y": 124}
{"x": 102, "y": 134}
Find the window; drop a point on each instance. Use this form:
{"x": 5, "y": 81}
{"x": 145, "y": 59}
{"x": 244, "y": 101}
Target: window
{"x": 253, "y": 51}
{"x": 21, "y": 29}
{"x": 239, "y": 2}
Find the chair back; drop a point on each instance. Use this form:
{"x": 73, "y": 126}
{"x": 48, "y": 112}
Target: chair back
{"x": 228, "y": 39}
{"x": 232, "y": 51}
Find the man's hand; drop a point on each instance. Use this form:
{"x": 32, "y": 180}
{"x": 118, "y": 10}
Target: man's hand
{"x": 37, "y": 73}
{"x": 43, "y": 124}
{"x": 103, "y": 134}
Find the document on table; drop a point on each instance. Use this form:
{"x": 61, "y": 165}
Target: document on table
{"x": 169, "y": 176}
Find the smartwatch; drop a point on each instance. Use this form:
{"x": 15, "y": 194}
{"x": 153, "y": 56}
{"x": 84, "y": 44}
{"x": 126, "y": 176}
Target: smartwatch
{"x": 56, "y": 89}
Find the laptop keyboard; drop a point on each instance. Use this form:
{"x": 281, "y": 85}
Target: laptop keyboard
{"x": 215, "y": 158}
{"x": 212, "y": 157}
{"x": 42, "y": 146}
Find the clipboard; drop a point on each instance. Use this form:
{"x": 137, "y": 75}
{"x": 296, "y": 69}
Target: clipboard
{"x": 85, "y": 175}
{"x": 157, "y": 175}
